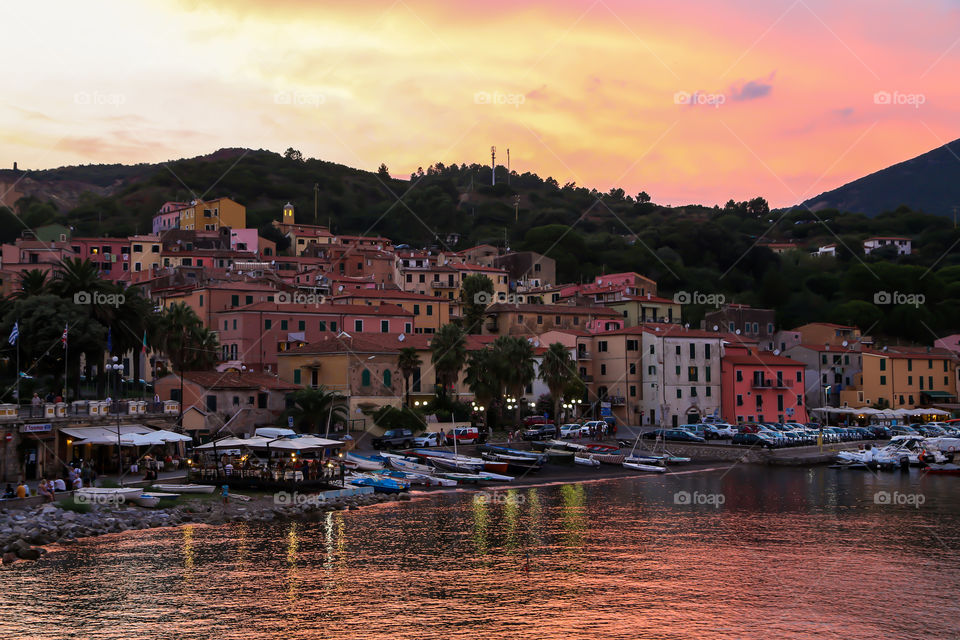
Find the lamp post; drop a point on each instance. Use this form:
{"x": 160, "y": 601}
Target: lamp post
{"x": 116, "y": 367}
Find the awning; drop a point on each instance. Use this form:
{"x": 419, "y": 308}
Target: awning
{"x": 300, "y": 443}
{"x": 938, "y": 395}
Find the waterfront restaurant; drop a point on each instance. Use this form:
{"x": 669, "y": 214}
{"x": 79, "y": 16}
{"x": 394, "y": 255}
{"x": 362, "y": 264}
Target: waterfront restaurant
{"x": 290, "y": 462}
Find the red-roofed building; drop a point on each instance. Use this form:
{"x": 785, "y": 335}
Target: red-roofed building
{"x": 829, "y": 369}
{"x": 904, "y": 378}
{"x": 758, "y": 386}
{"x": 429, "y": 313}
{"x": 533, "y": 319}
{"x": 254, "y": 334}
{"x": 903, "y": 245}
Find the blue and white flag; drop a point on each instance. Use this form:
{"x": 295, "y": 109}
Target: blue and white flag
{"x": 14, "y": 333}
{"x": 109, "y": 340}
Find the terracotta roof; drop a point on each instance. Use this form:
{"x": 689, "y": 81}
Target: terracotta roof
{"x": 837, "y": 348}
{"x": 823, "y": 324}
{"x": 915, "y": 353}
{"x": 551, "y": 309}
{"x": 647, "y": 298}
{"x": 397, "y": 294}
{"x": 886, "y": 238}
{"x": 234, "y": 380}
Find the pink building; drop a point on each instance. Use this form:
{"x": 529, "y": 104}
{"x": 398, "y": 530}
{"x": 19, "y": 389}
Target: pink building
{"x": 757, "y": 386}
{"x": 111, "y": 255}
{"x": 254, "y": 334}
{"x": 168, "y": 217}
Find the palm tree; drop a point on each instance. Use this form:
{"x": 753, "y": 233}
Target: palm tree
{"x": 484, "y": 377}
{"x": 73, "y": 276}
{"x": 315, "y": 407}
{"x": 178, "y": 327}
{"x": 556, "y": 370}
{"x": 33, "y": 282}
{"x": 448, "y": 353}
{"x": 515, "y": 357}
{"x": 408, "y": 362}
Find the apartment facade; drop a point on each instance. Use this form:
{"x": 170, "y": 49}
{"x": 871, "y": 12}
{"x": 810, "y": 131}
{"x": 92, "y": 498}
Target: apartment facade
{"x": 534, "y": 319}
{"x": 741, "y": 319}
{"x": 904, "y": 378}
{"x": 211, "y": 215}
{"x": 828, "y": 371}
{"x": 429, "y": 313}
{"x": 758, "y": 386}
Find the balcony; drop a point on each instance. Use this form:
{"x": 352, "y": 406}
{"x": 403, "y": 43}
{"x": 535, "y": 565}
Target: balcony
{"x": 587, "y": 378}
{"x": 617, "y": 401}
{"x": 442, "y": 285}
{"x": 772, "y": 384}
{"x": 583, "y": 355}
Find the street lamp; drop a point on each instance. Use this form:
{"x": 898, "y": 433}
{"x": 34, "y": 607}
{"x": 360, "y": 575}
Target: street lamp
{"x": 116, "y": 367}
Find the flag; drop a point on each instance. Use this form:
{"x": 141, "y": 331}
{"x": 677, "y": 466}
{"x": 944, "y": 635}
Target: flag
{"x": 109, "y": 340}
{"x": 14, "y": 333}
{"x": 144, "y": 342}
{"x": 63, "y": 338}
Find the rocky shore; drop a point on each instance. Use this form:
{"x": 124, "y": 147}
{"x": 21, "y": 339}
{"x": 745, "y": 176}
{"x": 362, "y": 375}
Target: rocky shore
{"x": 25, "y": 532}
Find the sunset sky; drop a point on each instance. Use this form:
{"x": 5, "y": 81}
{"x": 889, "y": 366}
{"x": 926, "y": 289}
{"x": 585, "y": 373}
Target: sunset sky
{"x": 600, "y": 93}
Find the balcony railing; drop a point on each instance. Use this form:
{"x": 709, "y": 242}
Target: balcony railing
{"x": 617, "y": 401}
{"x": 583, "y": 355}
{"x": 442, "y": 285}
{"x": 772, "y": 384}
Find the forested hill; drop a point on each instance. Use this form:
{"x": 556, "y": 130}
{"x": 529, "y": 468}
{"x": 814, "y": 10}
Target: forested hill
{"x": 693, "y": 248}
{"x": 929, "y": 182}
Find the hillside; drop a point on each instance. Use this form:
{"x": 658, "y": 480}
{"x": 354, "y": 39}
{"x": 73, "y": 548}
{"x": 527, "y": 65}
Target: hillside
{"x": 929, "y": 182}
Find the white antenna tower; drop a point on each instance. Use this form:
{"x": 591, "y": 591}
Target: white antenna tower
{"x": 493, "y": 166}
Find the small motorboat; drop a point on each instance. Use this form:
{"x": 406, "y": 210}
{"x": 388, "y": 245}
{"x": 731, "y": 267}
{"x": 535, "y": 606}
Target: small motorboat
{"x": 146, "y": 500}
{"x": 164, "y": 498}
{"x": 185, "y": 488}
{"x": 364, "y": 463}
{"x": 559, "y": 456}
{"x": 486, "y": 475}
{"x": 105, "y": 495}
{"x": 460, "y": 477}
{"x": 460, "y": 465}
{"x": 946, "y": 468}
{"x": 406, "y": 464}
{"x": 379, "y": 483}
{"x": 652, "y": 468}
{"x": 586, "y": 461}
{"x": 416, "y": 478}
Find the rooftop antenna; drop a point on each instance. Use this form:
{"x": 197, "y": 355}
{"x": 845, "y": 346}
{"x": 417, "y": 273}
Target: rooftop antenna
{"x": 493, "y": 166}
{"x": 508, "y": 168}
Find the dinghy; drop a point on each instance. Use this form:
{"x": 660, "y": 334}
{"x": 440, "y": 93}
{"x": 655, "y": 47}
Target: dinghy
{"x": 586, "y": 461}
{"x": 644, "y": 467}
{"x": 364, "y": 463}
{"x": 185, "y": 488}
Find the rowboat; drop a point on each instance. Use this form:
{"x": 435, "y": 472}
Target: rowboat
{"x": 609, "y": 458}
{"x": 514, "y": 463}
{"x": 460, "y": 477}
{"x": 586, "y": 461}
{"x": 364, "y": 463}
{"x": 379, "y": 484}
{"x": 164, "y": 498}
{"x": 405, "y": 464}
{"x": 506, "y": 451}
{"x": 104, "y": 495}
{"x": 596, "y": 447}
{"x": 185, "y": 488}
{"x": 948, "y": 468}
{"x": 146, "y": 500}
{"x": 451, "y": 461}
{"x": 644, "y": 467}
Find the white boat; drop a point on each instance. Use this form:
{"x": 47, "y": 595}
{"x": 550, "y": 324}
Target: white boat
{"x": 586, "y": 461}
{"x": 164, "y": 497}
{"x": 636, "y": 466}
{"x": 403, "y": 464}
{"x": 146, "y": 500}
{"x": 486, "y": 475}
{"x": 364, "y": 463}
{"x": 104, "y": 495}
{"x": 184, "y": 488}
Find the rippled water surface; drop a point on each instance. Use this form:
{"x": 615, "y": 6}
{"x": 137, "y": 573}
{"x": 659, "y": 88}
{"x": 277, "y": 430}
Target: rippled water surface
{"x": 790, "y": 553}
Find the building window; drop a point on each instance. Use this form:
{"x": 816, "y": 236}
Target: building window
{"x": 677, "y": 370}
{"x": 539, "y": 319}
{"x": 733, "y": 327}
{"x": 323, "y": 325}
{"x": 706, "y": 374}
{"x": 296, "y": 376}
{"x": 283, "y": 325}
{"x": 739, "y": 375}
{"x": 416, "y": 309}
{"x": 678, "y": 349}
{"x": 358, "y": 325}
{"x": 333, "y": 327}
{"x": 651, "y": 350}
{"x": 633, "y": 368}
{"x": 823, "y": 359}
{"x": 706, "y": 355}
{"x": 602, "y": 346}
{"x": 693, "y": 392}
{"x": 909, "y": 380}
{"x": 708, "y": 391}
{"x": 384, "y": 326}
{"x": 739, "y": 400}
{"x": 633, "y": 391}
{"x": 883, "y": 364}
{"x": 387, "y": 379}
{"x": 603, "y": 369}
{"x": 365, "y": 378}
{"x": 234, "y": 301}
{"x": 779, "y": 402}
{"x": 692, "y": 374}
{"x": 799, "y": 376}
{"x": 633, "y": 345}
{"x": 693, "y": 350}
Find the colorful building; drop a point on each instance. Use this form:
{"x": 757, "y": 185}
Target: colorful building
{"x": 211, "y": 215}
{"x": 757, "y": 386}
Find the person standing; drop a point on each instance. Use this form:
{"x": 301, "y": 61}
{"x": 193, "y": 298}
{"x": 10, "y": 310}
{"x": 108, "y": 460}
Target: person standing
{"x": 35, "y": 403}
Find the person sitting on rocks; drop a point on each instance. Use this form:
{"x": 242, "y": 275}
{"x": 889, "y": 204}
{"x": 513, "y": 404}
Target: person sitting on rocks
{"x": 46, "y": 490}
{"x": 9, "y": 493}
{"x": 59, "y": 485}
{"x": 77, "y": 483}
{"x": 22, "y": 490}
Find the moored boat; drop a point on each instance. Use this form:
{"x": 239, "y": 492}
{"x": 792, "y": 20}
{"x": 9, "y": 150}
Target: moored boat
{"x": 146, "y": 500}
{"x": 946, "y": 468}
{"x": 489, "y": 448}
{"x": 586, "y": 461}
{"x": 514, "y": 463}
{"x": 598, "y": 447}
{"x": 644, "y": 467}
{"x": 558, "y": 456}
{"x": 609, "y": 458}
{"x": 184, "y": 488}
{"x": 364, "y": 463}
{"x": 379, "y": 484}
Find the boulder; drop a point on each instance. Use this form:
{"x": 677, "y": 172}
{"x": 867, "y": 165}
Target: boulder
{"x": 28, "y": 554}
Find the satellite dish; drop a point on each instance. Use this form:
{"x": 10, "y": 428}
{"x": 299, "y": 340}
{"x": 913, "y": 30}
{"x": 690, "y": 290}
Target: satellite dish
{"x": 686, "y": 326}
{"x": 776, "y": 352}
{"x": 715, "y": 327}
{"x": 845, "y": 343}
{"x": 340, "y": 288}
{"x": 401, "y": 338}
{"x": 738, "y": 332}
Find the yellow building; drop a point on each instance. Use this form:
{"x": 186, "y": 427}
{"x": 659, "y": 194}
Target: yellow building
{"x": 145, "y": 254}
{"x": 639, "y": 310}
{"x": 429, "y": 313}
{"x": 210, "y": 215}
{"x": 904, "y": 378}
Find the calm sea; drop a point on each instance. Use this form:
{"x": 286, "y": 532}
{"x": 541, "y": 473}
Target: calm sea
{"x": 745, "y": 553}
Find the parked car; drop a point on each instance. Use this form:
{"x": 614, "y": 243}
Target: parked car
{"x": 753, "y": 440}
{"x": 393, "y": 439}
{"x": 530, "y": 421}
{"x": 570, "y": 431}
{"x": 540, "y": 432}
{"x": 681, "y": 435}
{"x": 699, "y": 430}
{"x": 719, "y": 431}
{"x": 465, "y": 435}
{"x": 431, "y": 439}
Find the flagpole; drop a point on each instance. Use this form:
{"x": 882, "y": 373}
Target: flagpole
{"x": 18, "y": 370}
{"x": 66, "y": 360}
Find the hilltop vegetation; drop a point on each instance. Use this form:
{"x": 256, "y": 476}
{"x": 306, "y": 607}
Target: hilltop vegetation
{"x": 692, "y": 248}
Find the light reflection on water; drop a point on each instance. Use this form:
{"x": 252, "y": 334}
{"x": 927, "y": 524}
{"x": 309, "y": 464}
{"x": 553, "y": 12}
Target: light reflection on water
{"x": 790, "y": 554}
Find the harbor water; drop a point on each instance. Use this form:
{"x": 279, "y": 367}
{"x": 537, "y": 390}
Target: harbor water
{"x": 746, "y": 552}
